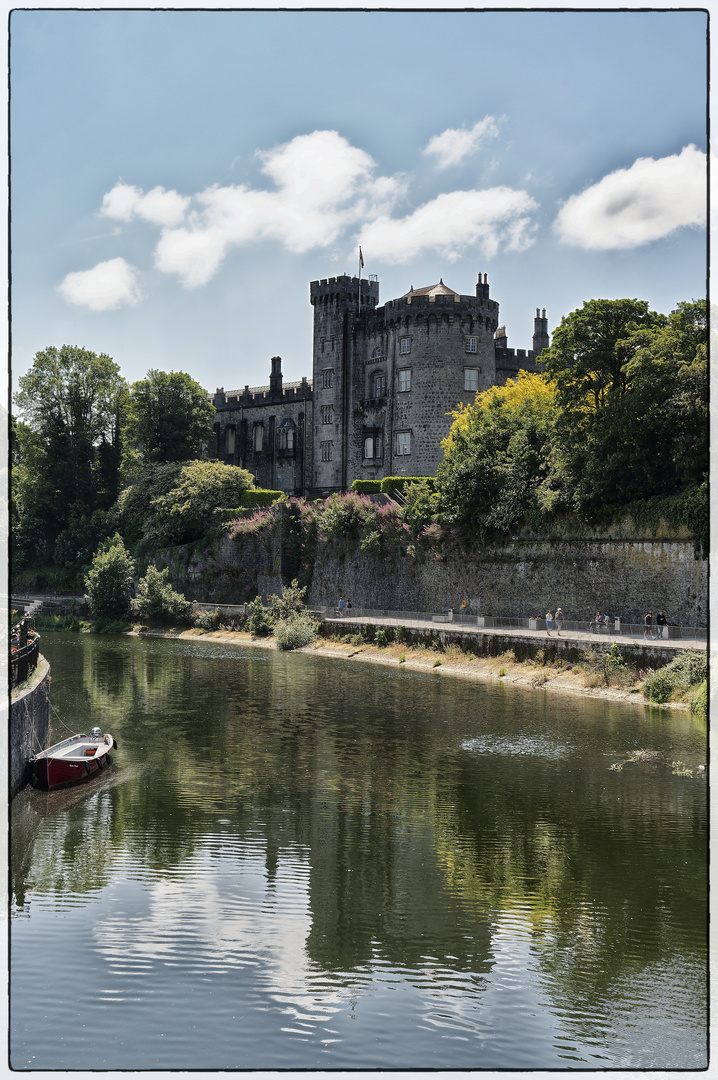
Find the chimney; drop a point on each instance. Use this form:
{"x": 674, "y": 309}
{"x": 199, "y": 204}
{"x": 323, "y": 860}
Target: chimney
{"x": 275, "y": 378}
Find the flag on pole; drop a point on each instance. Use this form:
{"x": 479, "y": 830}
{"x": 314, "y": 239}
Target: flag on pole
{"x": 361, "y": 258}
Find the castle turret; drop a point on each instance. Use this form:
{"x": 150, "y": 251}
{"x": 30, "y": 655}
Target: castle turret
{"x": 540, "y": 338}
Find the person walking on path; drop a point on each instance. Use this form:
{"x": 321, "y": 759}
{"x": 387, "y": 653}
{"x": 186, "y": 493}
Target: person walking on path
{"x": 648, "y": 624}
{"x": 341, "y": 606}
{"x": 662, "y": 624}
{"x": 559, "y": 620}
{"x": 549, "y": 622}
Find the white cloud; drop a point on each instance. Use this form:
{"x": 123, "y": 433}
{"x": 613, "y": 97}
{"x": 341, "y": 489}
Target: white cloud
{"x": 455, "y": 144}
{"x": 322, "y": 185}
{"x": 158, "y": 206}
{"x": 108, "y": 285}
{"x": 453, "y": 222}
{"x": 635, "y": 206}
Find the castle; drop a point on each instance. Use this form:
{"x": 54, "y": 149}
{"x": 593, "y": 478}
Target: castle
{"x": 384, "y": 381}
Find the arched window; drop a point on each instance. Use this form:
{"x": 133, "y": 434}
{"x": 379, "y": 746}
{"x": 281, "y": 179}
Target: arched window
{"x": 258, "y": 437}
{"x": 285, "y": 435}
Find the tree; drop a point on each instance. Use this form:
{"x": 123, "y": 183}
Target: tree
{"x": 109, "y": 580}
{"x": 632, "y": 389}
{"x": 72, "y": 401}
{"x": 590, "y": 350}
{"x": 174, "y": 503}
{"x": 170, "y": 416}
{"x": 500, "y": 458}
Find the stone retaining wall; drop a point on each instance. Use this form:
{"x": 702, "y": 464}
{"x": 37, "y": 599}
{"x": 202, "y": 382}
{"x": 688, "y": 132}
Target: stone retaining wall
{"x": 622, "y": 574}
{"x": 619, "y": 577}
{"x": 29, "y": 724}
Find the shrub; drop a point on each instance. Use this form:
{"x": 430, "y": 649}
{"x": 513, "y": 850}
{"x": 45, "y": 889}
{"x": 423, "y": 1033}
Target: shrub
{"x": 59, "y": 622}
{"x": 259, "y": 620}
{"x": 658, "y": 686}
{"x": 698, "y": 702}
{"x": 109, "y": 580}
{"x": 381, "y": 638}
{"x": 396, "y": 485}
{"x": 111, "y": 626}
{"x": 675, "y": 678}
{"x": 290, "y": 603}
{"x": 295, "y": 632}
{"x": 206, "y": 620}
{"x": 367, "y": 487}
{"x": 157, "y": 599}
{"x": 255, "y": 497}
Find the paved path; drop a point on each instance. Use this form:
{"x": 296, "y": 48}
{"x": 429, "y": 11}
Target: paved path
{"x": 585, "y": 637}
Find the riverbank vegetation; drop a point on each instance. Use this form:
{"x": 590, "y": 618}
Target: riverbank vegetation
{"x": 615, "y": 427}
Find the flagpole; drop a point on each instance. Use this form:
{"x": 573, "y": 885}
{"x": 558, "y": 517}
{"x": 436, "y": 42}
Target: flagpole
{"x": 359, "y": 312}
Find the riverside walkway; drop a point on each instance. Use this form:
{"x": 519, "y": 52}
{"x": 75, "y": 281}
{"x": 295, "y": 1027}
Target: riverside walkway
{"x": 573, "y": 631}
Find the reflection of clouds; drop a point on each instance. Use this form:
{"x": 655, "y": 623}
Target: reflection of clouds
{"x": 216, "y": 914}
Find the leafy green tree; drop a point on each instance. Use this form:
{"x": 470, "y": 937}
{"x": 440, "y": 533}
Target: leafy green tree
{"x": 109, "y": 580}
{"x": 632, "y": 389}
{"x": 174, "y": 503}
{"x": 499, "y": 465}
{"x": 68, "y": 448}
{"x": 590, "y": 350}
{"x": 169, "y": 416}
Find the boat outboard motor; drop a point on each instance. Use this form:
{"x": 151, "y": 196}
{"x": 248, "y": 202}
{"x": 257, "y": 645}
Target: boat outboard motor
{"x": 96, "y": 733}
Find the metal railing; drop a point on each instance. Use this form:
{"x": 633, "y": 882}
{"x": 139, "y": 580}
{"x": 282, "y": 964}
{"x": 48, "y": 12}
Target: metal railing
{"x": 615, "y": 628}
{"x": 23, "y": 662}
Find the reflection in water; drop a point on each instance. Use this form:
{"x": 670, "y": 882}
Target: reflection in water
{"x": 296, "y": 863}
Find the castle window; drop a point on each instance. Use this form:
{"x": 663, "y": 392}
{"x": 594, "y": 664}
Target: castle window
{"x": 403, "y": 443}
{"x": 404, "y": 345}
{"x": 285, "y": 435}
{"x": 471, "y": 379}
{"x": 404, "y": 379}
{"x": 258, "y": 437}
{"x": 229, "y": 448}
{"x": 326, "y": 414}
{"x": 326, "y": 451}
{"x": 327, "y": 378}
{"x": 471, "y": 344}
{"x": 372, "y": 446}
{"x": 378, "y": 384}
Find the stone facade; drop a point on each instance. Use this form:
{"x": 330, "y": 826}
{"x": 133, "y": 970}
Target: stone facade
{"x": 384, "y": 382}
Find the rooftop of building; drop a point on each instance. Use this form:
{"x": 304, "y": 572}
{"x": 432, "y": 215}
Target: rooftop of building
{"x": 431, "y": 290}
{"x": 265, "y": 389}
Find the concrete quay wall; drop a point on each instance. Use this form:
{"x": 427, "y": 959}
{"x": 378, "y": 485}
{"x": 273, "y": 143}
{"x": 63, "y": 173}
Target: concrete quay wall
{"x": 29, "y": 725}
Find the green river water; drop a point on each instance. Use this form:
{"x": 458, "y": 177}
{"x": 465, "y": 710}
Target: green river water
{"x": 303, "y": 863}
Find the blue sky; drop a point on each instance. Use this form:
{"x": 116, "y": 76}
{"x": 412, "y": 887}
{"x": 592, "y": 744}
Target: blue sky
{"x": 179, "y": 177}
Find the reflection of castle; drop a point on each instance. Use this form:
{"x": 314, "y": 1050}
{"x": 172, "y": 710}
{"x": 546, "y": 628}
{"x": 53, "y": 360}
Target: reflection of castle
{"x": 384, "y": 381}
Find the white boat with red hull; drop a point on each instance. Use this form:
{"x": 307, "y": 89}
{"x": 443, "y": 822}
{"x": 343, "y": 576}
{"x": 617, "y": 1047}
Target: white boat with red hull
{"x": 72, "y": 760}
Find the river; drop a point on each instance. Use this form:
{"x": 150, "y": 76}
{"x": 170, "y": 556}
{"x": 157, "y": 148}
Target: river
{"x": 297, "y": 862}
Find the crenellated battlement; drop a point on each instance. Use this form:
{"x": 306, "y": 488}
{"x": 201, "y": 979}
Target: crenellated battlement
{"x": 344, "y": 289}
{"x": 452, "y": 304}
{"x": 262, "y": 395}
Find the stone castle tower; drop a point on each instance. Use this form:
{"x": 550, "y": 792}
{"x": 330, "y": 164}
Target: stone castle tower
{"x": 384, "y": 381}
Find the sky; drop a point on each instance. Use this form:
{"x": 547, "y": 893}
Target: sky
{"x": 179, "y": 177}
